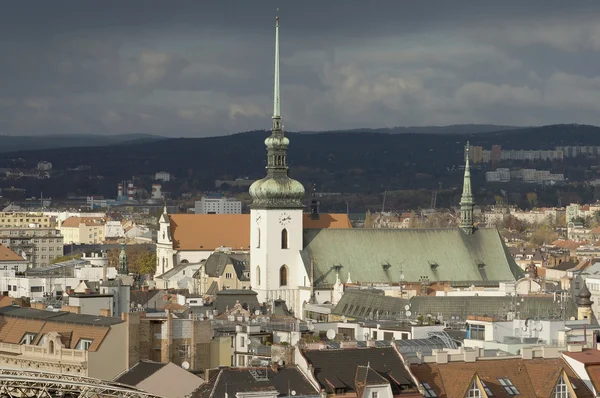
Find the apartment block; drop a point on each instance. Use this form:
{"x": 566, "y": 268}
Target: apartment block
{"x": 39, "y": 246}
{"x": 208, "y": 205}
{"x": 83, "y": 230}
{"x": 24, "y": 220}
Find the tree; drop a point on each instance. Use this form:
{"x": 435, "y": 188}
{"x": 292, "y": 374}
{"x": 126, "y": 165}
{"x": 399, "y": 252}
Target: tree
{"x": 368, "y": 220}
{"x": 140, "y": 259}
{"x": 543, "y": 234}
{"x": 514, "y": 224}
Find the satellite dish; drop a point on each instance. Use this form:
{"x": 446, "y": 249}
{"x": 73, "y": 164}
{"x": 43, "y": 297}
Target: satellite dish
{"x": 185, "y": 365}
{"x": 406, "y": 307}
{"x": 330, "y": 334}
{"x": 257, "y": 312}
{"x": 408, "y": 313}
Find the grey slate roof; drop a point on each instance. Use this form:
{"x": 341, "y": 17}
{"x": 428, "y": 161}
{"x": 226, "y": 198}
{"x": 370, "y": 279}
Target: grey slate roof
{"x": 381, "y": 255}
{"x": 216, "y": 263}
{"x": 228, "y": 298}
{"x": 233, "y": 381}
{"x": 140, "y": 372}
{"x": 337, "y": 368}
{"x": 60, "y": 316}
{"x": 361, "y": 304}
{"x": 175, "y": 270}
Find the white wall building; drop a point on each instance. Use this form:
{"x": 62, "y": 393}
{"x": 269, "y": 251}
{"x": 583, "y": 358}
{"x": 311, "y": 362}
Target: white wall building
{"x": 162, "y": 176}
{"x": 113, "y": 230}
{"x": 217, "y": 206}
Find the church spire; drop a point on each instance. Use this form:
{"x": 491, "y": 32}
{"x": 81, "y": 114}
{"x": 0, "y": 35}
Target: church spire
{"x": 466, "y": 200}
{"x": 276, "y": 107}
{"x": 277, "y": 189}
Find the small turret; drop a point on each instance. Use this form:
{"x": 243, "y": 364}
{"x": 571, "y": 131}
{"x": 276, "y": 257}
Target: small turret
{"x": 123, "y": 267}
{"x": 584, "y": 304}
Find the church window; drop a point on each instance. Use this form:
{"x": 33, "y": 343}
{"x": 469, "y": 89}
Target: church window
{"x": 258, "y": 237}
{"x": 283, "y": 275}
{"x": 284, "y": 239}
{"x": 258, "y": 275}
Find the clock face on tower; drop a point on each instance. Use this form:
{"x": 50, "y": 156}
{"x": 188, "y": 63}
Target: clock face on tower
{"x": 284, "y": 219}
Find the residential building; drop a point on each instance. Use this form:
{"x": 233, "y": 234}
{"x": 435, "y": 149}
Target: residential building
{"x": 83, "y": 230}
{"x": 25, "y": 220}
{"x": 11, "y": 261}
{"x": 536, "y": 372}
{"x": 39, "y": 246}
{"x": 223, "y": 270}
{"x": 114, "y": 230}
{"x": 44, "y": 166}
{"x": 221, "y": 205}
{"x": 63, "y": 342}
{"x": 180, "y": 277}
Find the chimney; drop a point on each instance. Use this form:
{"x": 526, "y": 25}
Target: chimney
{"x": 87, "y": 291}
{"x": 145, "y": 288}
{"x": 70, "y": 292}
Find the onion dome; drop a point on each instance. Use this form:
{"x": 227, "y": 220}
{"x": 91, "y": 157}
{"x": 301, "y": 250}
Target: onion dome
{"x": 583, "y": 298}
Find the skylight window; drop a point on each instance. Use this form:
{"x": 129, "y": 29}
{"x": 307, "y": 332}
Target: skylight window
{"x": 487, "y": 390}
{"x": 428, "y": 392}
{"x": 508, "y": 387}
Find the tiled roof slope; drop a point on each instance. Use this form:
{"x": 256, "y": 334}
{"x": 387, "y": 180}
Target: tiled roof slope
{"x": 380, "y": 255}
{"x": 532, "y": 378}
{"x": 211, "y": 231}
{"x": 8, "y": 255}
{"x": 337, "y": 368}
{"x": 141, "y": 371}
{"x": 16, "y": 321}
{"x": 495, "y": 307}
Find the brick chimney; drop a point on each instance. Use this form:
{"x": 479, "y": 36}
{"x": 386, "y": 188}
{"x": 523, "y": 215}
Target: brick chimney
{"x": 145, "y": 288}
{"x": 87, "y": 291}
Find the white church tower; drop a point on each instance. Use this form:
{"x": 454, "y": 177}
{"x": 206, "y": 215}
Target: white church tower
{"x": 164, "y": 245}
{"x": 276, "y": 221}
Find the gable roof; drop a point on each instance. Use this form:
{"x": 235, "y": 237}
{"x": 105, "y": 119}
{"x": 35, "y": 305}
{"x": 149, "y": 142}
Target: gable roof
{"x": 74, "y": 222}
{"x": 232, "y": 381}
{"x": 215, "y": 264}
{"x": 338, "y": 368}
{"x": 141, "y": 371}
{"x": 532, "y": 378}
{"x": 8, "y": 255}
{"x": 208, "y": 232}
{"x": 380, "y": 255}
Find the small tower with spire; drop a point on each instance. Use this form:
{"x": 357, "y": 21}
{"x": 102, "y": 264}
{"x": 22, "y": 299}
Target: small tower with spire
{"x": 123, "y": 267}
{"x": 466, "y": 200}
{"x": 584, "y": 304}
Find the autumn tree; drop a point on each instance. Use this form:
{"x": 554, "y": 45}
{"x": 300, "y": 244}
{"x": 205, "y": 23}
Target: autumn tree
{"x": 140, "y": 259}
{"x": 543, "y": 234}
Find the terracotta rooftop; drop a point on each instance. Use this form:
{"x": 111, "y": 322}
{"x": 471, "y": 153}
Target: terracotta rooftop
{"x": 8, "y": 255}
{"x": 587, "y": 357}
{"x": 211, "y": 231}
{"x": 532, "y": 378}
{"x": 74, "y": 222}
{"x": 567, "y": 244}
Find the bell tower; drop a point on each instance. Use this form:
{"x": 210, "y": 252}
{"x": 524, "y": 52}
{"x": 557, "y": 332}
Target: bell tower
{"x": 277, "y": 271}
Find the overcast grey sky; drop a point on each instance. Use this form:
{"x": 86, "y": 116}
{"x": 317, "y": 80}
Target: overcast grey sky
{"x": 202, "y": 68}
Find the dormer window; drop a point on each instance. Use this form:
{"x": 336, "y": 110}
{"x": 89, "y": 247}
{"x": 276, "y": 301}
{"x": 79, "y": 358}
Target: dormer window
{"x": 28, "y": 338}
{"x": 84, "y": 344}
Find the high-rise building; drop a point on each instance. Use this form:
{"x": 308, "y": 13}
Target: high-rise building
{"x": 208, "y": 205}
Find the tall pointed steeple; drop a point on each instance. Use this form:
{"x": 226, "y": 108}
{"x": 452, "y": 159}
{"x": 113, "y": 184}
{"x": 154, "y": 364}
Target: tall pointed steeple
{"x": 123, "y": 266}
{"x": 277, "y": 189}
{"x": 466, "y": 200}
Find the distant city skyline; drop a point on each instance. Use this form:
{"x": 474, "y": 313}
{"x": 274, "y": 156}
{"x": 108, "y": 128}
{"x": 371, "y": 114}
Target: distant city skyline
{"x": 200, "y": 69}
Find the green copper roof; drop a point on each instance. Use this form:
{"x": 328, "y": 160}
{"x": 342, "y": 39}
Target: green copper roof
{"x": 381, "y": 255}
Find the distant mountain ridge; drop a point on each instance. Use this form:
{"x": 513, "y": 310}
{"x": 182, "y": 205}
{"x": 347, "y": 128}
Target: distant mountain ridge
{"x": 12, "y": 143}
{"x": 450, "y": 129}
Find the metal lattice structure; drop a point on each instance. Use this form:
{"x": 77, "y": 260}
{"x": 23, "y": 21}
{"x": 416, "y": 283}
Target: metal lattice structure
{"x": 23, "y": 383}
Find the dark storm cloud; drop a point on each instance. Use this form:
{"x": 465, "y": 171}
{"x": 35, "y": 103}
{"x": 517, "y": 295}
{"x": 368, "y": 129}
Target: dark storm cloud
{"x": 205, "y": 68}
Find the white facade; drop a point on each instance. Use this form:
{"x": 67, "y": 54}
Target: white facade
{"x": 35, "y": 288}
{"x": 277, "y": 270}
{"x": 218, "y": 206}
{"x": 162, "y": 176}
{"x": 113, "y": 229}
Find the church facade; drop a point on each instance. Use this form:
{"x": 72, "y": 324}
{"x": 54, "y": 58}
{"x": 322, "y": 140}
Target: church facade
{"x": 301, "y": 258}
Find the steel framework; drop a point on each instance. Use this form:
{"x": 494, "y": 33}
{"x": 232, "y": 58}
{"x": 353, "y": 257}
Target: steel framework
{"x": 23, "y": 383}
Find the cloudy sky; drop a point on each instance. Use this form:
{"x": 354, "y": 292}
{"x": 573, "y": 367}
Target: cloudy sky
{"x": 200, "y": 68}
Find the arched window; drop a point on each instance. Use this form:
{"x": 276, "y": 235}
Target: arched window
{"x": 258, "y": 275}
{"x": 51, "y": 347}
{"x": 283, "y": 275}
{"x": 284, "y": 239}
{"x": 258, "y": 239}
